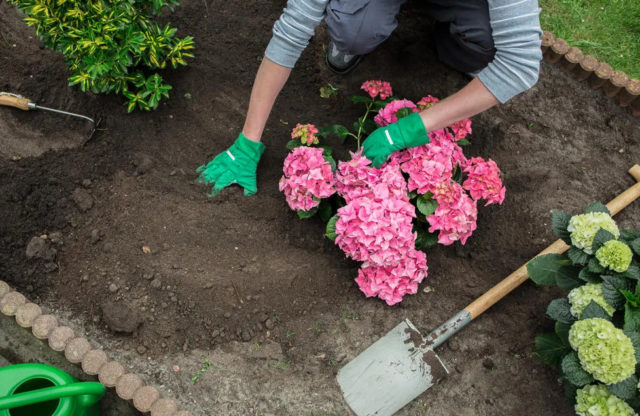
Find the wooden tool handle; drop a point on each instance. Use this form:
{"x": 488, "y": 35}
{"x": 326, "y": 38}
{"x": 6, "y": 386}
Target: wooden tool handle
{"x": 14, "y": 101}
{"x": 516, "y": 278}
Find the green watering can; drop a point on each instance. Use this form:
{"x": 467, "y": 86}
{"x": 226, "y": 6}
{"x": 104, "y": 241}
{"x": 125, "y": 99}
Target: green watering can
{"x": 42, "y": 390}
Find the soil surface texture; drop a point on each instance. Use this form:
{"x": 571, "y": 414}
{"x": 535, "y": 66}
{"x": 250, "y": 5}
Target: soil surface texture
{"x": 140, "y": 259}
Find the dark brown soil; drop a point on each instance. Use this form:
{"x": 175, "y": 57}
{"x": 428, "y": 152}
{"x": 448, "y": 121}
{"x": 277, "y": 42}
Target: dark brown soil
{"x": 237, "y": 268}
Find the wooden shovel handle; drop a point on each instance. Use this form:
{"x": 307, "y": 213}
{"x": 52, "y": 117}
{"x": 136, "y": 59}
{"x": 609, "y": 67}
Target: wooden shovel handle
{"x": 516, "y": 278}
{"x": 13, "y": 101}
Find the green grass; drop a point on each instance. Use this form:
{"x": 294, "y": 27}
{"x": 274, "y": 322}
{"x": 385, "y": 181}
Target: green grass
{"x": 606, "y": 29}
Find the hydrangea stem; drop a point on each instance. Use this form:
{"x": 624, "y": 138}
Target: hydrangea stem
{"x": 366, "y": 114}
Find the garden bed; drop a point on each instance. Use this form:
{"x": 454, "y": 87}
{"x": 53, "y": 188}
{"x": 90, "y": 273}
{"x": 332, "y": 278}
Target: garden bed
{"x": 242, "y": 281}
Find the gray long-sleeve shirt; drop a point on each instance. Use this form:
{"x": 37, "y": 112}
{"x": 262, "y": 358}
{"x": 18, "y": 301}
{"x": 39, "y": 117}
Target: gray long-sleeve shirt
{"x": 515, "y": 29}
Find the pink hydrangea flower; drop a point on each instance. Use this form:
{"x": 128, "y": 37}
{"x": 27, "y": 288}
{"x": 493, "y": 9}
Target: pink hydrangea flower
{"x": 461, "y": 129}
{"x": 483, "y": 181}
{"x": 387, "y": 115}
{"x": 356, "y": 178}
{"x": 391, "y": 283}
{"x": 307, "y": 178}
{"x": 456, "y": 215}
{"x": 375, "y": 87}
{"x": 306, "y": 133}
{"x": 427, "y": 102}
{"x": 379, "y": 232}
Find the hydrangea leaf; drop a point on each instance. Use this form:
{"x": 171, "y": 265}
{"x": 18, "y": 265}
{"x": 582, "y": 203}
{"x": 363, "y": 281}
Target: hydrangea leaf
{"x": 559, "y": 223}
{"x": 550, "y": 269}
{"x": 595, "y": 266}
{"x": 562, "y": 330}
{"x": 573, "y": 371}
{"x": 601, "y": 237}
{"x": 331, "y": 228}
{"x": 551, "y": 349}
{"x": 292, "y": 144}
{"x": 560, "y": 310}
{"x": 598, "y": 207}
{"x": 629, "y": 235}
{"x": 578, "y": 256}
{"x": 570, "y": 392}
{"x": 633, "y": 272}
{"x": 625, "y": 389}
{"x": 360, "y": 99}
{"x": 634, "y": 336}
{"x": 463, "y": 142}
{"x": 588, "y": 276}
{"x": 611, "y": 290}
{"x": 426, "y": 205}
{"x": 426, "y": 239}
{"x": 325, "y": 210}
{"x": 635, "y": 245}
{"x": 631, "y": 298}
{"x": 593, "y": 310}
{"x": 631, "y": 318}
{"x": 307, "y": 214}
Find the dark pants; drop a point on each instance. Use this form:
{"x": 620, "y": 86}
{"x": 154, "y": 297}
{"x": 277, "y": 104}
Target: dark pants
{"x": 463, "y": 32}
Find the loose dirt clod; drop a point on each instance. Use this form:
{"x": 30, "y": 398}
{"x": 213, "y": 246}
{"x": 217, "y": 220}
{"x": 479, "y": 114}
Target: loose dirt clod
{"x": 83, "y": 199}
{"x": 121, "y": 317}
{"x": 40, "y": 248}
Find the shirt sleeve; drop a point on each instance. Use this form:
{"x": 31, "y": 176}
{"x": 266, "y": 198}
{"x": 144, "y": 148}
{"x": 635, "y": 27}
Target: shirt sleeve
{"x": 294, "y": 28}
{"x": 516, "y": 36}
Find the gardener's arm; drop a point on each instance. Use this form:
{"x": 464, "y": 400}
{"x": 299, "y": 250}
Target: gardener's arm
{"x": 291, "y": 34}
{"x": 516, "y": 35}
{"x": 269, "y": 81}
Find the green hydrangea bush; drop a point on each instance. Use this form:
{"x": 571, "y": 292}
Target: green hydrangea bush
{"x": 596, "y": 343}
{"x": 111, "y": 45}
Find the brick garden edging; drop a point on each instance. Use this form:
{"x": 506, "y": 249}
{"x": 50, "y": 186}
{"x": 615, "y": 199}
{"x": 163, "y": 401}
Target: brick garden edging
{"x": 583, "y": 67}
{"x": 78, "y": 350}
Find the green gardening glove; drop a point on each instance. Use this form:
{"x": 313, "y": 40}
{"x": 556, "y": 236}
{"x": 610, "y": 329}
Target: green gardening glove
{"x": 237, "y": 164}
{"x": 407, "y": 132}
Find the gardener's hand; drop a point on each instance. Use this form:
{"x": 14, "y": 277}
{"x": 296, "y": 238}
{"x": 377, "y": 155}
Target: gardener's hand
{"x": 407, "y": 132}
{"x": 237, "y": 164}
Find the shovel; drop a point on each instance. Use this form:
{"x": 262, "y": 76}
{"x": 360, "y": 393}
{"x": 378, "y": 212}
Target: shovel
{"x": 402, "y": 364}
{"x": 14, "y": 100}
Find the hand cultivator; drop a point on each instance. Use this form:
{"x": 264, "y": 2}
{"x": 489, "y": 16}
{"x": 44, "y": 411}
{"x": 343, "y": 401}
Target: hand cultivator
{"x": 402, "y": 364}
{"x": 23, "y": 103}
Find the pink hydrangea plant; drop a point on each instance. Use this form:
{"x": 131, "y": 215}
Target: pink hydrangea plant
{"x": 483, "y": 181}
{"x": 307, "y": 178}
{"x": 379, "y": 232}
{"x": 356, "y": 178}
{"x": 427, "y": 102}
{"x": 391, "y": 283}
{"x": 456, "y": 215}
{"x": 387, "y": 115}
{"x": 375, "y": 87}
{"x": 461, "y": 129}
{"x": 306, "y": 133}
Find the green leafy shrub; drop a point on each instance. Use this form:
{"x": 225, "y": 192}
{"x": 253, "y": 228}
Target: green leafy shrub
{"x": 596, "y": 344}
{"x": 108, "y": 44}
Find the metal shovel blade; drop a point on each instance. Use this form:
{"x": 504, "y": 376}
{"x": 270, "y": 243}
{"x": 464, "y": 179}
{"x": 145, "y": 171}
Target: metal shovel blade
{"x": 390, "y": 373}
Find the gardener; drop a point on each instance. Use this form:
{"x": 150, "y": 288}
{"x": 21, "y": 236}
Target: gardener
{"x": 497, "y": 42}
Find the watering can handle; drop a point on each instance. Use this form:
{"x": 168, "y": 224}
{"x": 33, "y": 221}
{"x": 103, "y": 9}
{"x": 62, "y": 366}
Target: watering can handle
{"x": 14, "y": 100}
{"x": 92, "y": 390}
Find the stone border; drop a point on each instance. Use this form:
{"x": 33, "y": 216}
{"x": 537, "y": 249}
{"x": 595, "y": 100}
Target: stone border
{"x": 583, "y": 67}
{"x": 78, "y": 350}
